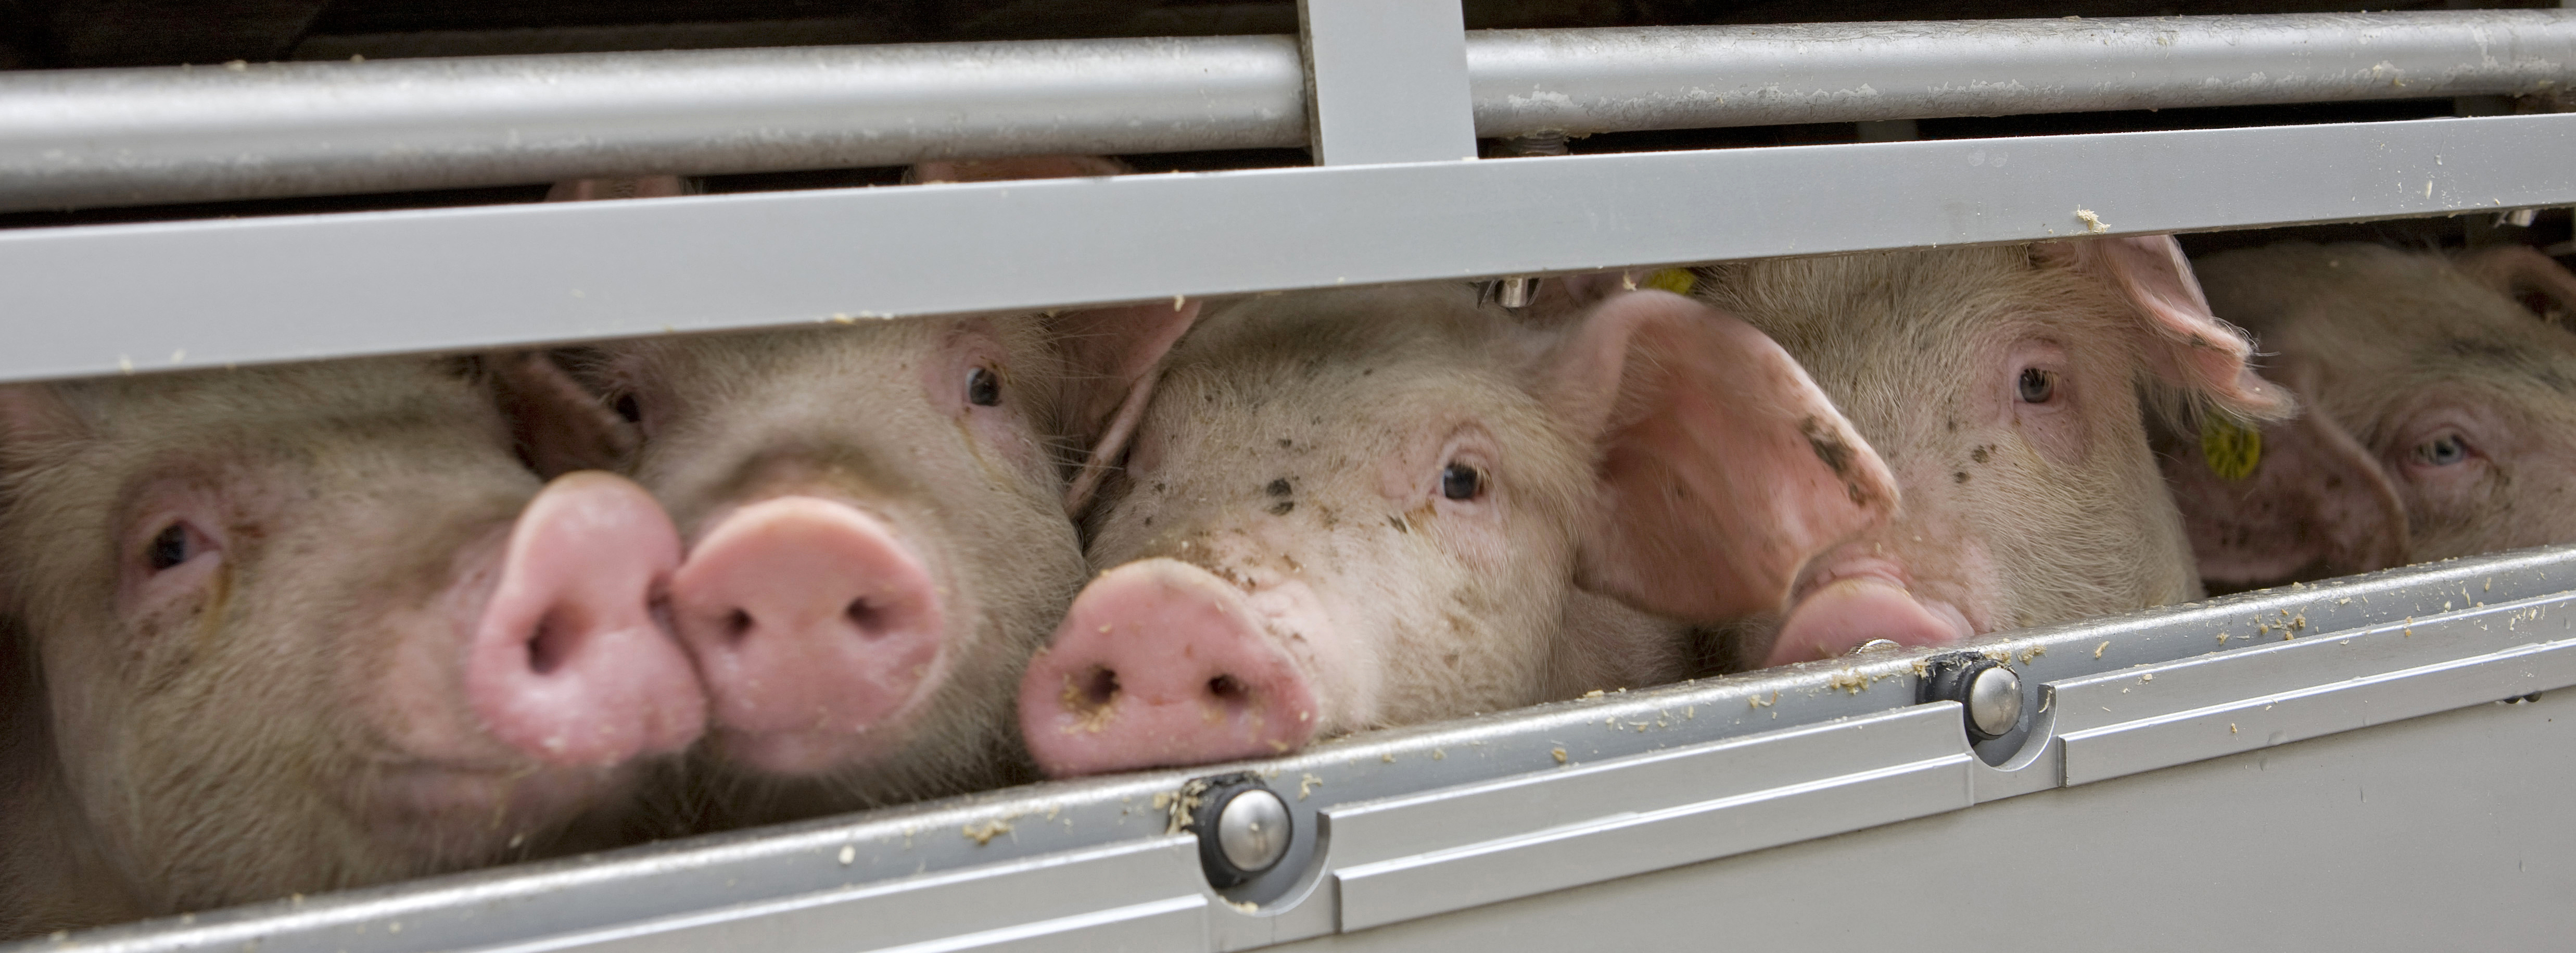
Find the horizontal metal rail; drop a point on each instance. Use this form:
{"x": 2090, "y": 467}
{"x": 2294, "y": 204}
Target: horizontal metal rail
{"x": 1399, "y": 825}
{"x": 100, "y": 299}
{"x": 138, "y": 136}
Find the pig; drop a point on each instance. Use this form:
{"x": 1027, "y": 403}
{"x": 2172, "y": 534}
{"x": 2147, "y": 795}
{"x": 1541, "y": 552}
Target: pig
{"x": 1353, "y": 509}
{"x": 878, "y": 525}
{"x": 2441, "y": 421}
{"x": 2009, "y": 389}
{"x": 878, "y": 536}
{"x": 294, "y": 629}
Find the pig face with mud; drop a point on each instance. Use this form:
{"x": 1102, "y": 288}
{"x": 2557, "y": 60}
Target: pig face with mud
{"x": 305, "y": 628}
{"x": 2008, "y": 389}
{"x": 877, "y": 536}
{"x": 2441, "y": 415}
{"x": 1354, "y": 509}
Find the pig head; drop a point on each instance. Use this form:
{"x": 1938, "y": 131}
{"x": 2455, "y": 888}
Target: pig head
{"x": 1354, "y": 509}
{"x": 877, "y": 535}
{"x": 2440, "y": 419}
{"x": 2009, "y": 390}
{"x": 296, "y": 629}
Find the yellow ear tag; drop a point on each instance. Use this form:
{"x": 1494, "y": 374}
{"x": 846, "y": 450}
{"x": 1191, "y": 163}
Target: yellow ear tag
{"x": 2233, "y": 451}
{"x": 1675, "y": 280}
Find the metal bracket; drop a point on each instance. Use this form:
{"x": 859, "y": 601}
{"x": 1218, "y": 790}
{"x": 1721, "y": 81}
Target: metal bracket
{"x": 1388, "y": 81}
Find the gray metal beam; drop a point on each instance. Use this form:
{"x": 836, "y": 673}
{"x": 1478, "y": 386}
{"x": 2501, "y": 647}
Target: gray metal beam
{"x": 91, "y": 300}
{"x": 1387, "y": 80}
{"x": 111, "y": 137}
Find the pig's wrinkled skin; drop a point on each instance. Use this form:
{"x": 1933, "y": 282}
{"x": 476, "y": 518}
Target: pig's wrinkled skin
{"x": 1355, "y": 509}
{"x": 2441, "y": 411}
{"x": 878, "y": 537}
{"x": 296, "y": 629}
{"x": 2016, "y": 512}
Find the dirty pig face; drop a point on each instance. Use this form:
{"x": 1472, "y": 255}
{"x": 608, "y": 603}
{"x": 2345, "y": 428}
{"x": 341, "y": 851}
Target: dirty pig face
{"x": 1372, "y": 534}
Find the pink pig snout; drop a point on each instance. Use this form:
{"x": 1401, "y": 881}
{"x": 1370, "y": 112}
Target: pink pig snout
{"x": 815, "y": 628}
{"x": 1844, "y": 612}
{"x": 568, "y": 662}
{"x": 1161, "y": 663}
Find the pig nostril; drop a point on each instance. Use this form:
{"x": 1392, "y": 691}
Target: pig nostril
{"x": 868, "y": 618}
{"x": 546, "y": 652}
{"x": 737, "y": 625}
{"x": 1228, "y": 690}
{"x": 1100, "y": 688}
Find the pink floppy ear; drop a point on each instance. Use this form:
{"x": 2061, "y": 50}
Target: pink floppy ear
{"x": 2185, "y": 343}
{"x": 1723, "y": 469}
{"x": 559, "y": 426}
{"x": 2535, "y": 280}
{"x": 1112, "y": 358}
{"x": 2315, "y": 505}
{"x": 1023, "y": 167}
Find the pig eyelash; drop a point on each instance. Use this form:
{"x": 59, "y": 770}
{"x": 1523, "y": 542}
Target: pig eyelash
{"x": 2035, "y": 386}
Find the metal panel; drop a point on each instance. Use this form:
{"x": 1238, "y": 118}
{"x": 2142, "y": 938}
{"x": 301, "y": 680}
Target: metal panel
{"x": 2446, "y": 832}
{"x": 1415, "y": 856}
{"x": 1389, "y": 80}
{"x": 2159, "y": 715}
{"x": 193, "y": 294}
{"x": 106, "y": 137}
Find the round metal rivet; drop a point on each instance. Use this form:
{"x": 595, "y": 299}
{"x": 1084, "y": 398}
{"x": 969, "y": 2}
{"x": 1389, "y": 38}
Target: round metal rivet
{"x": 1252, "y": 830}
{"x": 1875, "y": 645}
{"x": 1994, "y": 701}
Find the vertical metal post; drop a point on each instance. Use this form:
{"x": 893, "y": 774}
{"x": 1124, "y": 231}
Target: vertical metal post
{"x": 1388, "y": 80}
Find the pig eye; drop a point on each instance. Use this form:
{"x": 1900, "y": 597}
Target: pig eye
{"x": 1461, "y": 482}
{"x": 171, "y": 546}
{"x": 983, "y": 388}
{"x": 2446, "y": 450}
{"x": 628, "y": 409}
{"x": 2037, "y": 386}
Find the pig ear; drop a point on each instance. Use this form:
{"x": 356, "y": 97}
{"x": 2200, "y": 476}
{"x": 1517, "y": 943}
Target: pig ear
{"x": 559, "y": 426}
{"x": 1023, "y": 167}
{"x": 1723, "y": 468}
{"x": 2525, "y": 275}
{"x": 1112, "y": 358}
{"x": 2286, "y": 501}
{"x": 35, "y": 414}
{"x": 2186, "y": 344}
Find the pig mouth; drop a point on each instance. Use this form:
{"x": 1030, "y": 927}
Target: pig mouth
{"x": 434, "y": 808}
{"x": 1846, "y": 603}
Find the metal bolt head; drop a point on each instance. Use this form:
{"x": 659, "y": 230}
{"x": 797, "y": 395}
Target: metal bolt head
{"x": 1514, "y": 292}
{"x": 1252, "y": 830}
{"x": 1994, "y": 701}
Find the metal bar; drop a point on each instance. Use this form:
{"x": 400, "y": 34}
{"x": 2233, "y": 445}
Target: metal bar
{"x": 1387, "y": 80}
{"x": 134, "y": 136}
{"x": 118, "y": 137}
{"x": 85, "y": 301}
{"x": 1609, "y": 80}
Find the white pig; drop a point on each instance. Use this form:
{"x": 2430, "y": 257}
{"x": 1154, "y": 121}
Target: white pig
{"x": 1353, "y": 509}
{"x": 2009, "y": 390}
{"x": 2442, "y": 412}
{"x": 302, "y": 628}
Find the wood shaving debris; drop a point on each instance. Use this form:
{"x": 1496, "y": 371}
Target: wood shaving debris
{"x": 2032, "y": 653}
{"x": 1559, "y": 753}
{"x": 2092, "y": 222}
{"x": 849, "y": 854}
{"x": 2097, "y": 650}
{"x": 2231, "y": 727}
{"x": 984, "y": 833}
{"x": 1308, "y": 784}
{"x": 1848, "y": 680}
